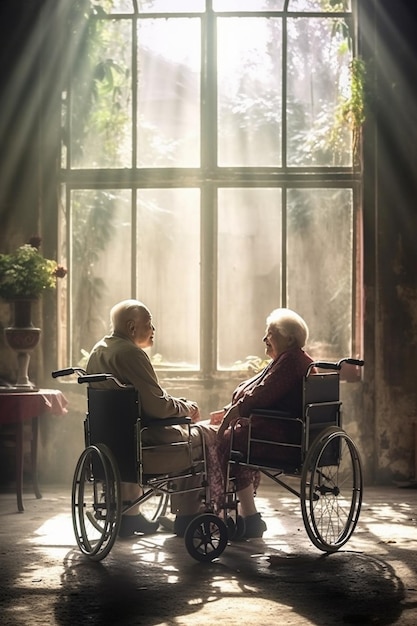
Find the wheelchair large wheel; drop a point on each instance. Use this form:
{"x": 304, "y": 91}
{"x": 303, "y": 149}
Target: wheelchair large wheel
{"x": 206, "y": 537}
{"x": 331, "y": 490}
{"x": 96, "y": 502}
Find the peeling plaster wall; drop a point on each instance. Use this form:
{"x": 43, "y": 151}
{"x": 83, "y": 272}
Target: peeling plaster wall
{"x": 390, "y": 229}
{"x": 395, "y": 370}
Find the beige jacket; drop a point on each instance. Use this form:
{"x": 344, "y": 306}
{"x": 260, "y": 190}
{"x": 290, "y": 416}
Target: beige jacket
{"x": 130, "y": 364}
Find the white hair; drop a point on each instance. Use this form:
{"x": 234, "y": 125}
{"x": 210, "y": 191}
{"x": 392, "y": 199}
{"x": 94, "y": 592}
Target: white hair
{"x": 288, "y": 324}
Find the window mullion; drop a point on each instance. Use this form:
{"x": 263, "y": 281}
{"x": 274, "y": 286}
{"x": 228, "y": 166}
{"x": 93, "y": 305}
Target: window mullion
{"x": 208, "y": 93}
{"x": 284, "y": 160}
{"x": 208, "y": 309}
{"x": 134, "y": 91}
{"x": 284, "y": 272}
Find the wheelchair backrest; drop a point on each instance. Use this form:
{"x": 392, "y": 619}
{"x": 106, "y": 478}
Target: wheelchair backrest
{"x": 111, "y": 420}
{"x": 321, "y": 403}
{"x": 321, "y": 388}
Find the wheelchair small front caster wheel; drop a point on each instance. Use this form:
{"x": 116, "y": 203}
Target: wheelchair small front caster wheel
{"x": 206, "y": 537}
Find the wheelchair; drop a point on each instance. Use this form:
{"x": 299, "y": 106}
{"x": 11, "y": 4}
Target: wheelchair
{"x": 315, "y": 450}
{"x": 312, "y": 448}
{"x": 114, "y": 452}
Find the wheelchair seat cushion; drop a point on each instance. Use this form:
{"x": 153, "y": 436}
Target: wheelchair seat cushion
{"x": 170, "y": 458}
{"x": 272, "y": 443}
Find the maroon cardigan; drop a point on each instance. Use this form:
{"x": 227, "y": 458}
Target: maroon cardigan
{"x": 279, "y": 386}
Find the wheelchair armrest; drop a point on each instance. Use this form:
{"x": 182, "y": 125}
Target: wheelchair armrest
{"x": 166, "y": 421}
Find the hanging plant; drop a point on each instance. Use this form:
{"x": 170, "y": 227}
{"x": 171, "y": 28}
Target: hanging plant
{"x": 353, "y": 109}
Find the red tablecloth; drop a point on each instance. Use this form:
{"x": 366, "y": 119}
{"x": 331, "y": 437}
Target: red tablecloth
{"x": 19, "y": 406}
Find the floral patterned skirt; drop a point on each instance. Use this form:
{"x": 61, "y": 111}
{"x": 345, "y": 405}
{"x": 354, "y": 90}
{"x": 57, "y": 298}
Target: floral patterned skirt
{"x": 218, "y": 454}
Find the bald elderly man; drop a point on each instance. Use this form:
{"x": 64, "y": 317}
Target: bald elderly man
{"x": 122, "y": 354}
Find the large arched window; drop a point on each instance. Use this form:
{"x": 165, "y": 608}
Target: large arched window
{"x": 209, "y": 171}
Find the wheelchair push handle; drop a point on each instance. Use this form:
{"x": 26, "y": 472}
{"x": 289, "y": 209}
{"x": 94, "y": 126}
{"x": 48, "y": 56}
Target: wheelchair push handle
{"x": 358, "y": 362}
{"x": 83, "y": 377}
{"x": 335, "y": 366}
{"x": 68, "y": 371}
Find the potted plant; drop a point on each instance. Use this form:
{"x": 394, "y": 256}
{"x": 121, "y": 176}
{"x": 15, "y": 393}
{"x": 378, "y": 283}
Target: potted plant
{"x": 25, "y": 275}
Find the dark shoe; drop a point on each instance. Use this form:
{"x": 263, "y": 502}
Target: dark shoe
{"x": 181, "y": 523}
{"x": 254, "y": 526}
{"x": 236, "y": 528}
{"x": 166, "y": 523}
{"x": 136, "y": 524}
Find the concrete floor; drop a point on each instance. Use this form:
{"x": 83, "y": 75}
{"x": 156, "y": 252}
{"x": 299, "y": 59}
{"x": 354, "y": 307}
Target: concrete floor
{"x": 278, "y": 580}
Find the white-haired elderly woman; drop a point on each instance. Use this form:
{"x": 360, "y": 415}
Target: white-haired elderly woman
{"x": 278, "y": 386}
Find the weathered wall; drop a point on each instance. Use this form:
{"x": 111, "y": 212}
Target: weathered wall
{"x": 29, "y": 144}
{"x": 390, "y": 228}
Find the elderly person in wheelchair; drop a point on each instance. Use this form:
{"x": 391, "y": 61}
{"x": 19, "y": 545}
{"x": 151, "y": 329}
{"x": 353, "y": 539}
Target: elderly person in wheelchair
{"x": 278, "y": 386}
{"x": 122, "y": 354}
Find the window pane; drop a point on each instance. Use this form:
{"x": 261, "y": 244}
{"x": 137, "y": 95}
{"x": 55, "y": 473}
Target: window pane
{"x": 100, "y": 262}
{"x": 248, "y": 5}
{"x": 319, "y": 5}
{"x": 171, "y": 6}
{"x": 319, "y": 274}
{"x": 169, "y": 92}
{"x": 168, "y": 271}
{"x": 101, "y": 103}
{"x": 249, "y": 91}
{"x": 118, "y": 6}
{"x": 318, "y": 80}
{"x": 249, "y": 270}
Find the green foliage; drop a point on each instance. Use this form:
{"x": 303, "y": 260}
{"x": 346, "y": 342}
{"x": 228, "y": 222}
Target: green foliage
{"x": 335, "y": 5}
{"x": 252, "y": 364}
{"x": 100, "y": 84}
{"x": 92, "y": 213}
{"x": 25, "y": 273}
{"x": 353, "y": 110}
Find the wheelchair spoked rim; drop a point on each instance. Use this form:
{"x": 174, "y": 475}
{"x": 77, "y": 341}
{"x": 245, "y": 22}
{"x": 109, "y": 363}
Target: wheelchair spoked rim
{"x": 206, "y": 537}
{"x": 95, "y": 536}
{"x": 331, "y": 493}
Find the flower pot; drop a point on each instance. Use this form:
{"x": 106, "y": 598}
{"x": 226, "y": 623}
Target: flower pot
{"x": 22, "y": 337}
